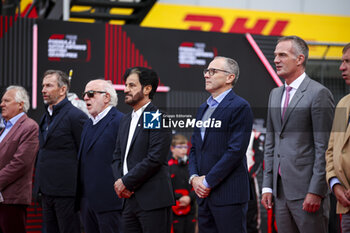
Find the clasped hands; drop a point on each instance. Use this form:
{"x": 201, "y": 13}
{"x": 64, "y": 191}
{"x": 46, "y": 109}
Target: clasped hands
{"x": 121, "y": 190}
{"x": 199, "y": 187}
{"x": 342, "y": 195}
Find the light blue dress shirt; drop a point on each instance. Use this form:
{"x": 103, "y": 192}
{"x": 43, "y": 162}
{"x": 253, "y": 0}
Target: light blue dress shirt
{"x": 8, "y": 125}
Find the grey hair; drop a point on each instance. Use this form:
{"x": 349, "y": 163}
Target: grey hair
{"x": 299, "y": 46}
{"x": 108, "y": 86}
{"x": 231, "y": 66}
{"x": 21, "y": 96}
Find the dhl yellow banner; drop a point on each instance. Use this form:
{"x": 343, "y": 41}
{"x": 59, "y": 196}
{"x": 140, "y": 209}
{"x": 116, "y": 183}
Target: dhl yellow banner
{"x": 312, "y": 28}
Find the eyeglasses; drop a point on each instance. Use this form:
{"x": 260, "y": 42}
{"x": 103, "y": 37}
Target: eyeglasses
{"x": 213, "y": 71}
{"x": 181, "y": 147}
{"x": 91, "y": 93}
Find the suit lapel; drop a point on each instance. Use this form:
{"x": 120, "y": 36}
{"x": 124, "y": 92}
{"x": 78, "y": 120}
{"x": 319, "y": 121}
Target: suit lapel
{"x": 219, "y": 110}
{"x": 14, "y": 129}
{"x": 347, "y": 133}
{"x": 275, "y": 108}
{"x": 138, "y": 128}
{"x": 295, "y": 100}
{"x": 125, "y": 133}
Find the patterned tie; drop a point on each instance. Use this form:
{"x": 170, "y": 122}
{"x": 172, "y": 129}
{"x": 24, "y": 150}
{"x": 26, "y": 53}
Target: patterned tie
{"x": 286, "y": 100}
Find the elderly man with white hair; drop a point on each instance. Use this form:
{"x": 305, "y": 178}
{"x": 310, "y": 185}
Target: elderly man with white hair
{"x": 99, "y": 205}
{"x": 19, "y": 144}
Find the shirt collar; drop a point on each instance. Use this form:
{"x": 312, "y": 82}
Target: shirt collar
{"x": 100, "y": 116}
{"x": 13, "y": 120}
{"x": 213, "y": 102}
{"x": 57, "y": 107}
{"x": 297, "y": 82}
{"x": 139, "y": 111}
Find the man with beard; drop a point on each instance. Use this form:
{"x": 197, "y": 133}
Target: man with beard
{"x": 57, "y": 164}
{"x": 140, "y": 159}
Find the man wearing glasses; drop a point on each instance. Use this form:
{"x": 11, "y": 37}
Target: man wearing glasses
{"x": 100, "y": 206}
{"x": 218, "y": 166}
{"x": 57, "y": 164}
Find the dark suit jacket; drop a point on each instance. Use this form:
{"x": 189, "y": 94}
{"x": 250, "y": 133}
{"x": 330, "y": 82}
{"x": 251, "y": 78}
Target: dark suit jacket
{"x": 57, "y": 162}
{"x": 98, "y": 178}
{"x": 298, "y": 144}
{"x": 148, "y": 174}
{"x": 221, "y": 155}
{"x": 17, "y": 156}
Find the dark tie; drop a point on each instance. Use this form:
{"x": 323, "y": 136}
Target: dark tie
{"x": 2, "y": 130}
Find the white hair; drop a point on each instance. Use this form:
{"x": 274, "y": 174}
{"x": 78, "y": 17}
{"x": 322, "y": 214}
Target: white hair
{"x": 21, "y": 96}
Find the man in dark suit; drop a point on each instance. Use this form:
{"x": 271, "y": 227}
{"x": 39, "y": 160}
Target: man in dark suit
{"x": 299, "y": 121}
{"x": 19, "y": 145}
{"x": 140, "y": 164}
{"x": 57, "y": 162}
{"x": 218, "y": 165}
{"x": 99, "y": 204}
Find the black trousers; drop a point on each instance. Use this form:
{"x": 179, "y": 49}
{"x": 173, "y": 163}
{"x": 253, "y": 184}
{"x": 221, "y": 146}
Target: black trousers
{"x": 137, "y": 220}
{"x": 59, "y": 215}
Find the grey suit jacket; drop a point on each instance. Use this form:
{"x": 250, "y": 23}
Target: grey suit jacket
{"x": 298, "y": 144}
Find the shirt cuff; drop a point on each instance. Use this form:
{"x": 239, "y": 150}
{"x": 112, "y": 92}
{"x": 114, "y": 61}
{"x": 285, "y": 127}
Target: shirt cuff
{"x": 266, "y": 190}
{"x": 333, "y": 181}
{"x": 191, "y": 178}
{"x": 206, "y": 183}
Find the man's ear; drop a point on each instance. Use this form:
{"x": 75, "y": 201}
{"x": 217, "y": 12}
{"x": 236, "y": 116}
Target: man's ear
{"x": 108, "y": 98}
{"x": 300, "y": 59}
{"x": 147, "y": 89}
{"x": 63, "y": 90}
{"x": 230, "y": 78}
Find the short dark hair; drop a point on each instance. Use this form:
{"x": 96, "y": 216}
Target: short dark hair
{"x": 299, "y": 46}
{"x": 146, "y": 77}
{"x": 346, "y": 47}
{"x": 62, "y": 78}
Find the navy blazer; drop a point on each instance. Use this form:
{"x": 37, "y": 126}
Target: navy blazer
{"x": 221, "y": 155}
{"x": 57, "y": 161}
{"x": 148, "y": 174}
{"x": 98, "y": 178}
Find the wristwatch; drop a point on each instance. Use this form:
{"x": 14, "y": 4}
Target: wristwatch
{"x": 191, "y": 178}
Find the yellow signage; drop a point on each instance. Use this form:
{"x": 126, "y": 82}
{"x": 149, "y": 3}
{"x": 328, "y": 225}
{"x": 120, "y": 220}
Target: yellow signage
{"x": 312, "y": 28}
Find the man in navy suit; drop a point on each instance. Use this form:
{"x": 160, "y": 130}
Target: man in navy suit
{"x": 57, "y": 162}
{"x": 140, "y": 164}
{"x": 100, "y": 206}
{"x": 218, "y": 166}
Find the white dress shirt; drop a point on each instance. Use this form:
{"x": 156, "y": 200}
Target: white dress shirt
{"x": 135, "y": 116}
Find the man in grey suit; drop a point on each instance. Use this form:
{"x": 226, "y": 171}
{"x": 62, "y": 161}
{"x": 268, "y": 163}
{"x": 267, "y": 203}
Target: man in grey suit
{"x": 299, "y": 120}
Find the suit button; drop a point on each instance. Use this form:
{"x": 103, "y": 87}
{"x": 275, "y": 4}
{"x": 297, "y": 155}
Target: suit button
{"x": 278, "y": 156}
{"x": 281, "y": 137}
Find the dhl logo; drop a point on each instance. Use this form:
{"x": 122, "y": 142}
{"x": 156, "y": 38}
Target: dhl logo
{"x": 238, "y": 25}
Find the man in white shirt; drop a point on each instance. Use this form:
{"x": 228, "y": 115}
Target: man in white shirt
{"x": 140, "y": 159}
{"x": 298, "y": 125}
